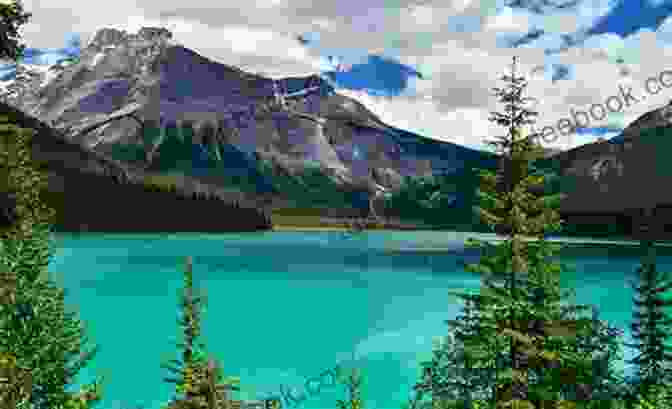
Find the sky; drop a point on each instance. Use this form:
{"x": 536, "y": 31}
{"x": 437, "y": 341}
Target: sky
{"x": 426, "y": 66}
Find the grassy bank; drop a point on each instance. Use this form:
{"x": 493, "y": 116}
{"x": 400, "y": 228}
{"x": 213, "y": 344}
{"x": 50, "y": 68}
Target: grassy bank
{"x": 318, "y": 219}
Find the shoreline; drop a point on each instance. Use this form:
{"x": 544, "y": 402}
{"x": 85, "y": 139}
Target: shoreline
{"x": 347, "y": 229}
{"x": 557, "y": 240}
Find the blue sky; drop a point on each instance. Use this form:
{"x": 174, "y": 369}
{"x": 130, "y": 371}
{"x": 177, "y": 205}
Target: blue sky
{"x": 425, "y": 66}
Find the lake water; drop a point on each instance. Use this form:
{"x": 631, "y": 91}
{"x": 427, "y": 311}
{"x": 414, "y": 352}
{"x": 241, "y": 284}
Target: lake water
{"x": 286, "y": 306}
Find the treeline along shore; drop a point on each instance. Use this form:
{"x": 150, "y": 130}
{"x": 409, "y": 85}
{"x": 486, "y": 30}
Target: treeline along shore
{"x": 93, "y": 193}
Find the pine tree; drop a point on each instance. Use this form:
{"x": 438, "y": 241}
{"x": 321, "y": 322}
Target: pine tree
{"x": 520, "y": 295}
{"x": 603, "y": 343}
{"x": 652, "y": 325}
{"x": 199, "y": 378}
{"x": 35, "y": 327}
{"x": 505, "y": 202}
{"x": 450, "y": 377}
{"x": 588, "y": 346}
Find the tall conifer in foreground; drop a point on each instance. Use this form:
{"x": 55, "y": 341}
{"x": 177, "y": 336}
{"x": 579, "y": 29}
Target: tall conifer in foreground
{"x": 520, "y": 294}
{"x": 35, "y": 328}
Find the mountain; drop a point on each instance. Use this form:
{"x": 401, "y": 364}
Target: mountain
{"x": 146, "y": 103}
{"x": 144, "y": 100}
{"x": 91, "y": 192}
{"x": 608, "y": 183}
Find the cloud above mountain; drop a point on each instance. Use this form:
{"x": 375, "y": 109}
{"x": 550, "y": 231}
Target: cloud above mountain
{"x": 425, "y": 66}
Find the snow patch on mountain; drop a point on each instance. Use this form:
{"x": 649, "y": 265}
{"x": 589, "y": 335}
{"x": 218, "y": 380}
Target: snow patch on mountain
{"x": 96, "y": 59}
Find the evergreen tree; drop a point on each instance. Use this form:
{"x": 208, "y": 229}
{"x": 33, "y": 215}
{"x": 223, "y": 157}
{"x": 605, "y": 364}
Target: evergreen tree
{"x": 520, "y": 296}
{"x": 602, "y": 343}
{"x": 588, "y": 346}
{"x": 353, "y": 383}
{"x": 505, "y": 202}
{"x": 652, "y": 325}
{"x": 450, "y": 377}
{"x": 12, "y": 17}
{"x": 195, "y": 370}
{"x": 35, "y": 327}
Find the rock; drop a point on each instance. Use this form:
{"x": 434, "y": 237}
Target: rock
{"x": 93, "y": 192}
{"x": 142, "y": 92}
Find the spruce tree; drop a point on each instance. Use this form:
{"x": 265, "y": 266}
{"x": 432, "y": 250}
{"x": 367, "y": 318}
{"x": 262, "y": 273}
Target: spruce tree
{"x": 505, "y": 204}
{"x": 200, "y": 381}
{"x": 35, "y": 328}
{"x": 520, "y": 296}
{"x": 449, "y": 377}
{"x": 652, "y": 325}
{"x": 588, "y": 346}
{"x": 603, "y": 343}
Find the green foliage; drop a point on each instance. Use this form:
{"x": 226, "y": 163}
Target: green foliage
{"x": 22, "y": 178}
{"x": 128, "y": 153}
{"x": 450, "y": 375}
{"x": 191, "y": 324}
{"x": 174, "y": 152}
{"x": 353, "y": 383}
{"x": 194, "y": 358}
{"x": 657, "y": 397}
{"x": 86, "y": 398}
{"x": 593, "y": 346}
{"x": 652, "y": 325}
{"x": 308, "y": 187}
{"x": 431, "y": 199}
{"x": 35, "y": 327}
{"x": 518, "y": 331}
{"x": 17, "y": 383}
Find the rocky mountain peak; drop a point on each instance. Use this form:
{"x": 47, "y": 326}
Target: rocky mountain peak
{"x": 152, "y": 33}
{"x": 143, "y": 99}
{"x": 110, "y": 37}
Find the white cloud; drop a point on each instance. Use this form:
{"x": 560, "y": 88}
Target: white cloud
{"x": 422, "y": 15}
{"x": 461, "y": 5}
{"x": 508, "y": 20}
{"x": 560, "y": 23}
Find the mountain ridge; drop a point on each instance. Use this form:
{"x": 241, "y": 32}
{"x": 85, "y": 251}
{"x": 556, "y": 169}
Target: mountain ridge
{"x": 137, "y": 91}
{"x": 146, "y": 102}
{"x": 85, "y": 187}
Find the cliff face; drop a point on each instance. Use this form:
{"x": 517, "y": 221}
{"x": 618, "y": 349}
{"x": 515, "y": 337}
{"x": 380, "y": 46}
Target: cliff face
{"x": 144, "y": 100}
{"x": 93, "y": 193}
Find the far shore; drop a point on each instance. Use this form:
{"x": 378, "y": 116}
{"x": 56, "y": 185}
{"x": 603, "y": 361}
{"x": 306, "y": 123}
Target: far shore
{"x": 491, "y": 236}
{"x": 345, "y": 227}
{"x": 304, "y": 228}
{"x": 337, "y": 228}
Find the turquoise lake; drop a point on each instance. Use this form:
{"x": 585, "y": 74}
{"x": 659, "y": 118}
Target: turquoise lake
{"x": 286, "y": 306}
